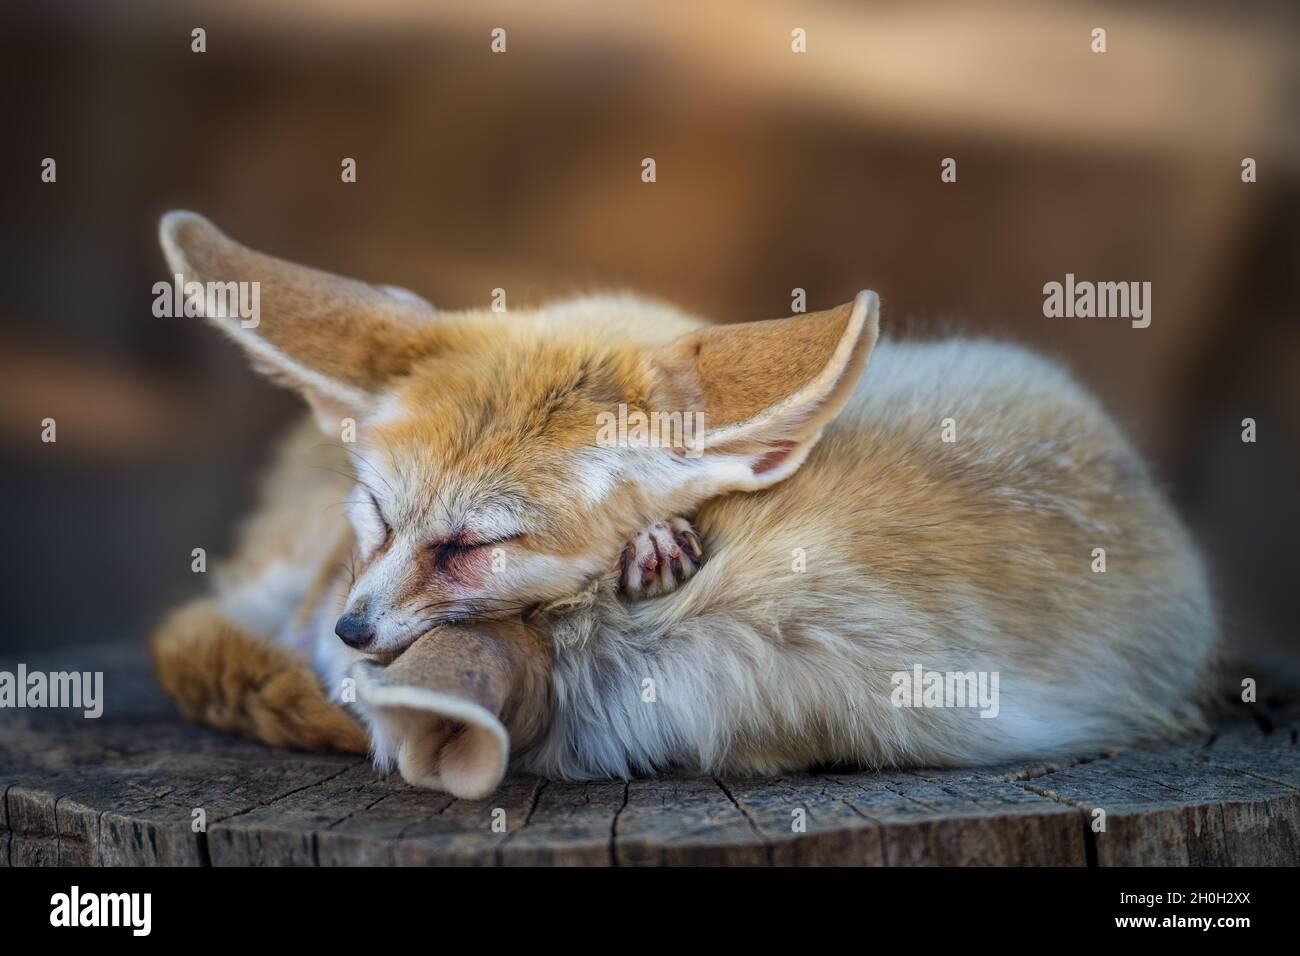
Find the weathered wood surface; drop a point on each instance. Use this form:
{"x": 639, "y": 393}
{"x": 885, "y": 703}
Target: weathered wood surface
{"x": 124, "y": 789}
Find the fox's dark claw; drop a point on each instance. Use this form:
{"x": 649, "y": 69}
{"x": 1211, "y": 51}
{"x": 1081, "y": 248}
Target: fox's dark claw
{"x": 660, "y": 558}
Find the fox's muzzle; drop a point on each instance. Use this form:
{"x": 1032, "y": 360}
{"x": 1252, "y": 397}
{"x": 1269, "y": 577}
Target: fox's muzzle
{"x": 355, "y": 629}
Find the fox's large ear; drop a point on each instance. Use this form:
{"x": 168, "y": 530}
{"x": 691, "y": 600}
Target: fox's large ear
{"x": 767, "y": 389}
{"x": 440, "y": 710}
{"x": 336, "y": 340}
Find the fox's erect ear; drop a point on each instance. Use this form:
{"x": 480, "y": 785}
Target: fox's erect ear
{"x": 767, "y": 389}
{"x": 336, "y": 340}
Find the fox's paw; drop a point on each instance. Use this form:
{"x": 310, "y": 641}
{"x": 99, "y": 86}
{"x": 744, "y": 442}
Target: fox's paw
{"x": 660, "y": 558}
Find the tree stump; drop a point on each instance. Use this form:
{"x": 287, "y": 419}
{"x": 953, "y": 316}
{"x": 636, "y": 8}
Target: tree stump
{"x": 139, "y": 786}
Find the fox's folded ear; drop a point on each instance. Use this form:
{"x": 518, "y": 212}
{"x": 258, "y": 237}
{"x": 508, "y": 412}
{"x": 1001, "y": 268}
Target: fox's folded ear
{"x": 440, "y": 710}
{"x": 767, "y": 389}
{"x": 336, "y": 340}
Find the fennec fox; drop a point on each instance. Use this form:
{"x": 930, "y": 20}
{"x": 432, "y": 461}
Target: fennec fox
{"x": 862, "y": 551}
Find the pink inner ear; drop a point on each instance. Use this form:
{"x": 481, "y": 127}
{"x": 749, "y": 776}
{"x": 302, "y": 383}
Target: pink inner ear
{"x": 461, "y": 757}
{"x": 471, "y": 762}
{"x": 775, "y": 457}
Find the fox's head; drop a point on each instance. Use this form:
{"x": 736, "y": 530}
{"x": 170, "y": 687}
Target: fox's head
{"x": 500, "y": 458}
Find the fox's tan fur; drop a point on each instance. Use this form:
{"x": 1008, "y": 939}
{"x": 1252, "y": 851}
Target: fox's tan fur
{"x": 970, "y": 555}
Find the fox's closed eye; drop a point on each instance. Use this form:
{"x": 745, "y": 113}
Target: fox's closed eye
{"x": 379, "y": 516}
{"x": 368, "y": 521}
{"x": 449, "y": 551}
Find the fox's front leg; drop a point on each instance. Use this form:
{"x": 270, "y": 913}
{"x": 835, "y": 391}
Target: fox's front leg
{"x": 659, "y": 558}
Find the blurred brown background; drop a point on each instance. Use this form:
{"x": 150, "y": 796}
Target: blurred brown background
{"x": 522, "y": 170}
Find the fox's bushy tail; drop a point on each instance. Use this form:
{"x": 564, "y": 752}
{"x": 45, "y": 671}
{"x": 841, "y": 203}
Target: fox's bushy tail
{"x": 222, "y": 675}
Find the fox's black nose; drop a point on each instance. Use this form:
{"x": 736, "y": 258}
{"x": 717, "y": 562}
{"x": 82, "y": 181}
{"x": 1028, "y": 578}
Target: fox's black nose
{"x": 355, "y": 630}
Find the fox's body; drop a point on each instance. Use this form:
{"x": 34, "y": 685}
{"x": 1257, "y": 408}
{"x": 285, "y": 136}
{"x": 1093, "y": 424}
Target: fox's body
{"x": 889, "y": 549}
{"x": 853, "y": 535}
